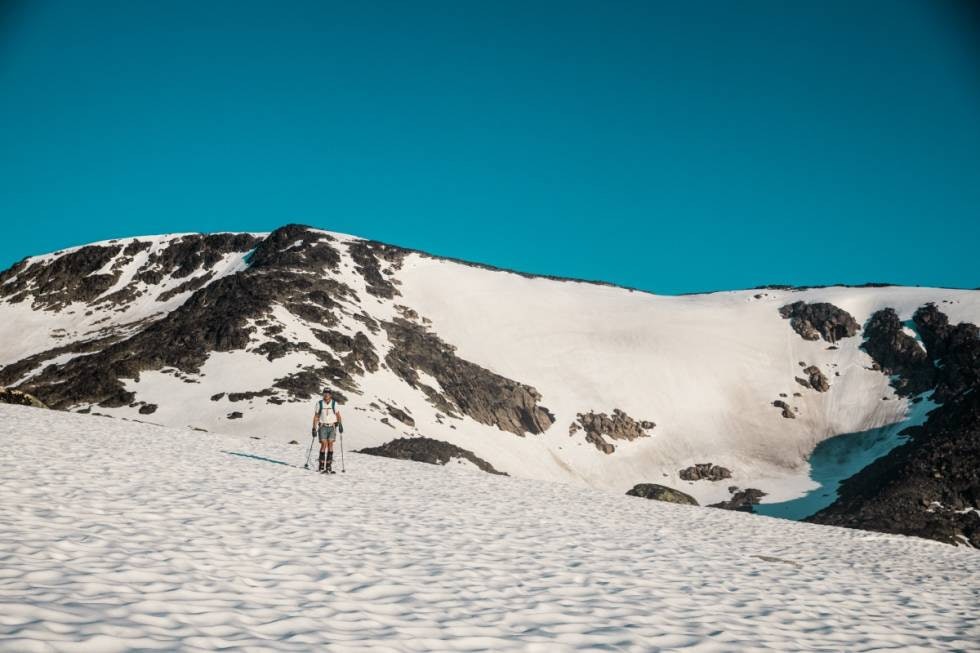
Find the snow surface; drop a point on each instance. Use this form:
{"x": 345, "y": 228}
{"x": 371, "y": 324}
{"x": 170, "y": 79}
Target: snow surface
{"x": 705, "y": 368}
{"x": 123, "y": 536}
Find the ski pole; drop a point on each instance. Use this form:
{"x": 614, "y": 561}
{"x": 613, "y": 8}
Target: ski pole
{"x": 309, "y": 453}
{"x": 343, "y": 467}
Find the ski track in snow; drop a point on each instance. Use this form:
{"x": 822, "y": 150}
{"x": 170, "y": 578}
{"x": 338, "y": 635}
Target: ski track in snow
{"x": 122, "y": 536}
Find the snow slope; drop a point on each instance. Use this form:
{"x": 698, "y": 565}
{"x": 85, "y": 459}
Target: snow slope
{"x": 705, "y": 368}
{"x": 120, "y": 536}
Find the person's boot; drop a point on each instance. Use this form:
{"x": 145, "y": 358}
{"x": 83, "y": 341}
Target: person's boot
{"x": 329, "y": 469}
{"x": 321, "y": 461}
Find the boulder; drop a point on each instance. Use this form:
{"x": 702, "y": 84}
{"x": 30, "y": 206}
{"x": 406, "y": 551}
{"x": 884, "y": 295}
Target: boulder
{"x": 742, "y": 500}
{"x": 661, "y": 493}
{"x": 704, "y": 472}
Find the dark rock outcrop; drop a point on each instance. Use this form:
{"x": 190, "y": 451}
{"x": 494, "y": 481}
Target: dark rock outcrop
{"x": 741, "y": 500}
{"x": 75, "y": 276}
{"x": 400, "y": 415}
{"x": 898, "y": 354}
{"x": 219, "y": 317}
{"x": 427, "y": 450}
{"x": 820, "y": 320}
{"x": 18, "y": 398}
{"x": 368, "y": 256}
{"x": 661, "y": 493}
{"x": 787, "y": 411}
{"x": 940, "y": 464}
{"x": 815, "y": 379}
{"x": 954, "y": 349}
{"x": 705, "y": 472}
{"x": 467, "y": 388}
{"x": 930, "y": 485}
{"x": 618, "y": 426}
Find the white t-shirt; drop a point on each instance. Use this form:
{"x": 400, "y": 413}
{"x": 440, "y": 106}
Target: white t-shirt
{"x": 327, "y": 412}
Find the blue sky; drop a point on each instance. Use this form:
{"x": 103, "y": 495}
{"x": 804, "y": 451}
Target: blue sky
{"x": 669, "y": 146}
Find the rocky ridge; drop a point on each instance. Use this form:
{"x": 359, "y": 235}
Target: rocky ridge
{"x": 930, "y": 485}
{"x": 427, "y": 450}
{"x": 294, "y": 268}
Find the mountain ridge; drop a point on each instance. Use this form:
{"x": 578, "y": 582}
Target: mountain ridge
{"x": 499, "y": 268}
{"x": 238, "y": 332}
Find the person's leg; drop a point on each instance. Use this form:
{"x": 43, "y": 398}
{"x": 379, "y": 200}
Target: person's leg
{"x": 323, "y": 448}
{"x": 331, "y": 436}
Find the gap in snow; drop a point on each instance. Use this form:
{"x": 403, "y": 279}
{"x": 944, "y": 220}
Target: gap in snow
{"x": 838, "y": 458}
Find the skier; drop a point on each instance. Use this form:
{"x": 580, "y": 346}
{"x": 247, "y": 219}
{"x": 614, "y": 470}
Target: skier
{"x": 326, "y": 424}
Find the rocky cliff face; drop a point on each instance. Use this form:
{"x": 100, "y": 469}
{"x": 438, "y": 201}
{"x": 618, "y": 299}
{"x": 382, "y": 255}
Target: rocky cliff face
{"x": 897, "y": 353}
{"x": 294, "y": 269}
{"x": 929, "y": 486}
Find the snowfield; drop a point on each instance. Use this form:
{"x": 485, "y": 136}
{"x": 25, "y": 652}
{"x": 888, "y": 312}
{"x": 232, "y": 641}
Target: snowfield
{"x": 123, "y": 536}
{"x": 705, "y": 369}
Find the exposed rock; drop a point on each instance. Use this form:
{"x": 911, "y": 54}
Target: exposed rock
{"x": 18, "y": 398}
{"x": 427, "y": 450}
{"x": 484, "y": 396}
{"x": 366, "y": 255}
{"x": 15, "y": 371}
{"x": 705, "y": 472}
{"x": 188, "y": 286}
{"x": 898, "y": 354}
{"x": 787, "y": 411}
{"x": 400, "y": 415}
{"x": 296, "y": 246}
{"x": 661, "y": 493}
{"x": 618, "y": 426}
{"x": 148, "y": 409}
{"x": 308, "y": 382}
{"x": 235, "y": 415}
{"x": 940, "y": 463}
{"x": 954, "y": 349}
{"x": 220, "y": 317}
{"x": 248, "y": 396}
{"x": 930, "y": 485}
{"x": 813, "y": 321}
{"x": 934, "y": 329}
{"x": 72, "y": 277}
{"x": 815, "y": 380}
{"x": 742, "y": 500}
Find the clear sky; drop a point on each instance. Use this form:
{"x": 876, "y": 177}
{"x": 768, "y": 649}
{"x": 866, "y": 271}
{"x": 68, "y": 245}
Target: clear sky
{"x": 670, "y": 146}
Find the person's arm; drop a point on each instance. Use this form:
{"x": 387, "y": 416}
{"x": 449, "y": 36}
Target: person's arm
{"x": 340, "y": 422}
{"x": 316, "y": 420}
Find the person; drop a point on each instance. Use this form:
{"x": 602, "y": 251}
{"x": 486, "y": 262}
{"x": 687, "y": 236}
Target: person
{"x": 326, "y": 423}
